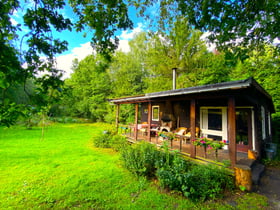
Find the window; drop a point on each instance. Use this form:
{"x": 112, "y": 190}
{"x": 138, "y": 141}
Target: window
{"x": 215, "y": 119}
{"x": 213, "y": 122}
{"x": 155, "y": 113}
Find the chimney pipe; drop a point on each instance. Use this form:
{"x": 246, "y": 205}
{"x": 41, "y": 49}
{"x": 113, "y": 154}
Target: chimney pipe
{"x": 174, "y": 78}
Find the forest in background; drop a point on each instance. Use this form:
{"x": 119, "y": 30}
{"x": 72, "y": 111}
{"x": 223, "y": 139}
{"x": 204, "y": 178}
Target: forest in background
{"x": 246, "y": 34}
{"x": 146, "y": 68}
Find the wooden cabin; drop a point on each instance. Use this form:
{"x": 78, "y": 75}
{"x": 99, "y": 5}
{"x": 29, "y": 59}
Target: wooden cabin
{"x": 237, "y": 111}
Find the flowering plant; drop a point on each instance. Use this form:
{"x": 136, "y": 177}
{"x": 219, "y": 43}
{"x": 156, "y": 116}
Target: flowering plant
{"x": 207, "y": 143}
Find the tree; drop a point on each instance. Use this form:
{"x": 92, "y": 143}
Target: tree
{"x": 265, "y": 68}
{"x": 182, "y": 48}
{"x": 232, "y": 25}
{"x": 90, "y": 87}
{"x": 40, "y": 18}
{"x": 104, "y": 18}
{"x": 127, "y": 70}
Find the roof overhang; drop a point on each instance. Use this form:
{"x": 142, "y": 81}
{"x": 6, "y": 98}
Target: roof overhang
{"x": 204, "y": 89}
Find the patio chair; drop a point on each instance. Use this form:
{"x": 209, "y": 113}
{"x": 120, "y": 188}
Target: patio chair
{"x": 180, "y": 132}
{"x": 197, "y": 133}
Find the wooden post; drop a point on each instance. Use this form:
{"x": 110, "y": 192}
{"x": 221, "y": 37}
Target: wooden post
{"x": 117, "y": 117}
{"x": 250, "y": 129}
{"x": 192, "y": 118}
{"x": 136, "y": 122}
{"x": 232, "y": 130}
{"x": 149, "y": 121}
{"x": 181, "y": 139}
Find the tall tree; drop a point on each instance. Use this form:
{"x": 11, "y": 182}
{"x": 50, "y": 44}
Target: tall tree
{"x": 231, "y": 24}
{"x": 182, "y": 49}
{"x": 90, "y": 87}
{"x": 128, "y": 70}
{"x": 264, "y": 66}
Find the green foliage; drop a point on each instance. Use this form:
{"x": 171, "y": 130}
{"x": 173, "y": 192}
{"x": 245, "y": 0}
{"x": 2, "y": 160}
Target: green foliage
{"x": 9, "y": 113}
{"x": 102, "y": 140}
{"x": 264, "y": 67}
{"x": 65, "y": 172}
{"x": 206, "y": 182}
{"x": 118, "y": 142}
{"x": 182, "y": 49}
{"x": 110, "y": 139}
{"x": 171, "y": 174}
{"x": 88, "y": 88}
{"x": 231, "y": 25}
{"x": 197, "y": 182}
{"x": 104, "y": 18}
{"x": 276, "y": 127}
{"x": 140, "y": 158}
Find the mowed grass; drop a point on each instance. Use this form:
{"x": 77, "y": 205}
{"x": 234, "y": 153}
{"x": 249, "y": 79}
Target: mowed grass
{"x": 65, "y": 171}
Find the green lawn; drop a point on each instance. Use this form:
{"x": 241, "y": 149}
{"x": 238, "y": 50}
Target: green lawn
{"x": 65, "y": 171}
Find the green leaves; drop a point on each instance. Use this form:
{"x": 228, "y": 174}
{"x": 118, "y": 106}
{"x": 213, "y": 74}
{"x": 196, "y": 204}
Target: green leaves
{"x": 104, "y": 18}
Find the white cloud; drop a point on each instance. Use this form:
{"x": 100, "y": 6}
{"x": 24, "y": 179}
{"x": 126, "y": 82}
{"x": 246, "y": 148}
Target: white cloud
{"x": 13, "y": 21}
{"x": 64, "y": 62}
{"x": 129, "y": 34}
{"x": 210, "y": 46}
{"x": 123, "y": 46}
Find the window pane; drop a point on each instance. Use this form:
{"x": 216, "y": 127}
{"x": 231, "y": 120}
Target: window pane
{"x": 218, "y": 138}
{"x": 215, "y": 119}
{"x": 155, "y": 113}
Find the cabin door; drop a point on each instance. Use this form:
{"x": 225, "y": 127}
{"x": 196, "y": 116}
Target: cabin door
{"x": 243, "y": 129}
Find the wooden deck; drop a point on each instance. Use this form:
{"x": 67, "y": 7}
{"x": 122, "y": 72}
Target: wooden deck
{"x": 182, "y": 145}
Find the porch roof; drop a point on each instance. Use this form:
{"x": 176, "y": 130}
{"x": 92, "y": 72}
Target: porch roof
{"x": 232, "y": 85}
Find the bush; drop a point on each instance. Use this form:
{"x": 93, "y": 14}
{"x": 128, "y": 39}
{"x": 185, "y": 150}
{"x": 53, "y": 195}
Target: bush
{"x": 102, "y": 140}
{"x": 171, "y": 174}
{"x": 197, "y": 182}
{"x": 140, "y": 158}
{"x": 118, "y": 142}
{"x": 276, "y": 127}
{"x": 204, "y": 182}
{"x": 109, "y": 139}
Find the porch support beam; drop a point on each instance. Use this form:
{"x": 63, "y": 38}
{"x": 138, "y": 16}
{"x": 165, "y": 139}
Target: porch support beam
{"x": 192, "y": 123}
{"x": 232, "y": 130}
{"x": 117, "y": 117}
{"x": 136, "y": 122}
{"x": 149, "y": 121}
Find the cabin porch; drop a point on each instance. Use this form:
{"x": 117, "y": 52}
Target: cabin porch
{"x": 183, "y": 145}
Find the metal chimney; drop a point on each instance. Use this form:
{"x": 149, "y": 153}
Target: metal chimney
{"x": 174, "y": 78}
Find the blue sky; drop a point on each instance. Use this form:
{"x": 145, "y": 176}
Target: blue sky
{"x": 78, "y": 45}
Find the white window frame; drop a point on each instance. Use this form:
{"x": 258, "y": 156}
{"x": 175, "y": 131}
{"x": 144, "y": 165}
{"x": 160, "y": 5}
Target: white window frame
{"x": 253, "y": 130}
{"x": 204, "y": 123}
{"x": 155, "y": 119}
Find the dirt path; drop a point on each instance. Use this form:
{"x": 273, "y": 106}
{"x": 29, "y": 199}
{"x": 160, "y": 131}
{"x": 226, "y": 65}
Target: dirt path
{"x": 270, "y": 186}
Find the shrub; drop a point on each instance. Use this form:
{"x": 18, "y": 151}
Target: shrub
{"x": 106, "y": 139}
{"x": 171, "y": 174}
{"x": 204, "y": 182}
{"x": 118, "y": 142}
{"x": 140, "y": 158}
{"x": 102, "y": 140}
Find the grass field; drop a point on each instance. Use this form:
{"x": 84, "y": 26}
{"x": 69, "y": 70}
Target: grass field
{"x": 65, "y": 171}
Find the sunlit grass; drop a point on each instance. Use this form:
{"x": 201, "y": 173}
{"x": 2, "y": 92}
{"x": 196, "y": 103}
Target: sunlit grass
{"x": 64, "y": 171}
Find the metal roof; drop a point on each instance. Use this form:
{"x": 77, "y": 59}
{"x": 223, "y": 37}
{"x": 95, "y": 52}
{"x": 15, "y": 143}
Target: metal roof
{"x": 232, "y": 85}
